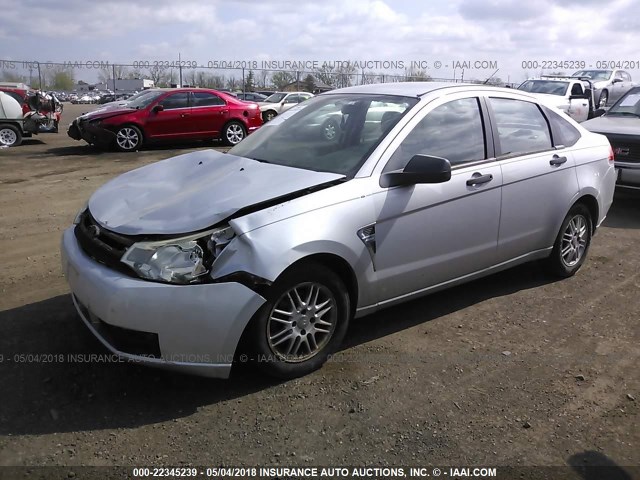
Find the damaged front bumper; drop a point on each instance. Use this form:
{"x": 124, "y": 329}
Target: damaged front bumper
{"x": 190, "y": 328}
{"x": 91, "y": 132}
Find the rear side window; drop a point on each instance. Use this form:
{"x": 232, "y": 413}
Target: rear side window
{"x": 521, "y": 127}
{"x": 563, "y": 132}
{"x": 206, "y": 99}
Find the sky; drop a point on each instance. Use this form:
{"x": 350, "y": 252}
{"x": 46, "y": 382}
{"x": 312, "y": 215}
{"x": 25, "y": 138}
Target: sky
{"x": 505, "y": 32}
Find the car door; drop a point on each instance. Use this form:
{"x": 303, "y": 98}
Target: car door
{"x": 290, "y": 101}
{"x": 429, "y": 234}
{"x": 209, "y": 113}
{"x": 539, "y": 179}
{"x": 172, "y": 120}
{"x": 617, "y": 87}
{"x": 578, "y": 103}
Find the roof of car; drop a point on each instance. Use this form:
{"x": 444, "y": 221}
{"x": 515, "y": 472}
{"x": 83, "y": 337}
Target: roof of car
{"x": 413, "y": 89}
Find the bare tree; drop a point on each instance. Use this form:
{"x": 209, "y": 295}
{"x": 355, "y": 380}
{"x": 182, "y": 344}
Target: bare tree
{"x": 414, "y": 75}
{"x": 281, "y": 79}
{"x": 158, "y": 75}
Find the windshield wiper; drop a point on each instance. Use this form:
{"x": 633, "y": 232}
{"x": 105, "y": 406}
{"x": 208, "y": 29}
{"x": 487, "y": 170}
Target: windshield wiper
{"x": 259, "y": 160}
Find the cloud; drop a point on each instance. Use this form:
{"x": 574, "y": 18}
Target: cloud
{"x": 507, "y": 31}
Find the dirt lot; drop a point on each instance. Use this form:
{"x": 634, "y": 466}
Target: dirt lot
{"x": 515, "y": 369}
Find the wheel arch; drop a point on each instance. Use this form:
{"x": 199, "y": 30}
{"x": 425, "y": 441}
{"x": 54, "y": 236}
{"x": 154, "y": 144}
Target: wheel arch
{"x": 591, "y": 203}
{"x": 337, "y": 265}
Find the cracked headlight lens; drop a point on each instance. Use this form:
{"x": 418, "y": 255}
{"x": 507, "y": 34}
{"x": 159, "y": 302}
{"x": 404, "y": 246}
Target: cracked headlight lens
{"x": 182, "y": 260}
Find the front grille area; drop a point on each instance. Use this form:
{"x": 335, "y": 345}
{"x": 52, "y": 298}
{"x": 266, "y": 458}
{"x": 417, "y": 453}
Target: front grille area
{"x": 626, "y": 148}
{"x": 133, "y": 342}
{"x": 102, "y": 245}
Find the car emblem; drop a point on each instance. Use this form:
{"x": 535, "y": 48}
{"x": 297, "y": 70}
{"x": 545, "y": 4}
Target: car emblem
{"x": 94, "y": 230}
{"x": 621, "y": 151}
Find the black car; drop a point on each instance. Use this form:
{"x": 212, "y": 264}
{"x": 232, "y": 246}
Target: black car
{"x": 621, "y": 125}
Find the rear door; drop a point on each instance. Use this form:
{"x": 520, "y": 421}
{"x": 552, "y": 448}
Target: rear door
{"x": 209, "y": 113}
{"x": 173, "y": 121}
{"x": 539, "y": 179}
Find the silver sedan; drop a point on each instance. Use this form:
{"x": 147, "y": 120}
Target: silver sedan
{"x": 287, "y": 237}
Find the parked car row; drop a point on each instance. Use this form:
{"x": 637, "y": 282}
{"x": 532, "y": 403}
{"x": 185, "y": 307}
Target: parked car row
{"x": 168, "y": 115}
{"x": 288, "y": 236}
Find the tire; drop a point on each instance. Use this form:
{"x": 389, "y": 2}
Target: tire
{"x": 330, "y": 130}
{"x": 233, "y": 133}
{"x": 55, "y": 127}
{"x": 128, "y": 138}
{"x": 10, "y": 135}
{"x": 574, "y": 239}
{"x": 269, "y": 115}
{"x": 304, "y": 320}
{"x": 604, "y": 98}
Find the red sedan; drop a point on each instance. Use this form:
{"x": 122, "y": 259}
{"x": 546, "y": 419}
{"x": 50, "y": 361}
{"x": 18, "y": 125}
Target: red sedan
{"x": 169, "y": 115}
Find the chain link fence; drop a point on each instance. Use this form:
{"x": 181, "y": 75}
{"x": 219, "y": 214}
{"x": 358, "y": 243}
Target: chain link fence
{"x": 103, "y": 75}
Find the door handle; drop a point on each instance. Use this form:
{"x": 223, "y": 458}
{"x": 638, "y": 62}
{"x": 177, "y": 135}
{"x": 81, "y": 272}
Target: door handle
{"x": 556, "y": 160}
{"x": 184, "y": 115}
{"x": 478, "y": 179}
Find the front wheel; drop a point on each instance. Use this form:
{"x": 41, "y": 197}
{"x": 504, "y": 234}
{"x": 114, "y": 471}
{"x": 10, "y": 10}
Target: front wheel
{"x": 572, "y": 243}
{"x": 233, "y": 133}
{"x": 10, "y": 136}
{"x": 128, "y": 138}
{"x": 604, "y": 98}
{"x": 303, "y": 321}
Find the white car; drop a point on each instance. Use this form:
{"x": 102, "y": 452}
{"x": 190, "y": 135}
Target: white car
{"x": 571, "y": 95}
{"x": 280, "y": 102}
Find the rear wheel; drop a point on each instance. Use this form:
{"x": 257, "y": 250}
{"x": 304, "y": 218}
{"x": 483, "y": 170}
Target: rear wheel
{"x": 303, "y": 321}
{"x": 10, "y": 136}
{"x": 330, "y": 129}
{"x": 233, "y": 133}
{"x": 128, "y": 138}
{"x": 269, "y": 115}
{"x": 572, "y": 243}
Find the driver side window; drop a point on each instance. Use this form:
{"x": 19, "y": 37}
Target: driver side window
{"x": 453, "y": 131}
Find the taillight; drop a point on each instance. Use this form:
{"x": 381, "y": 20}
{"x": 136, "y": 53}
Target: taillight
{"x": 611, "y": 156}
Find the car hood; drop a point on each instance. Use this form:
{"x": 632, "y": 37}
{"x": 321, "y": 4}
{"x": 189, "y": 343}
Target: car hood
{"x": 195, "y": 191}
{"x": 102, "y": 113}
{"x": 613, "y": 125}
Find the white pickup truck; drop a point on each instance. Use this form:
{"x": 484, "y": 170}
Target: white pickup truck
{"x": 572, "y": 95}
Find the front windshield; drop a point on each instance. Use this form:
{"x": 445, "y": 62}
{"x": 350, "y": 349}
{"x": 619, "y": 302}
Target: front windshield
{"x": 275, "y": 98}
{"x": 628, "y": 105}
{"x": 144, "y": 101}
{"x": 594, "y": 75}
{"x": 330, "y": 133}
{"x": 551, "y": 87}
{"x": 136, "y": 96}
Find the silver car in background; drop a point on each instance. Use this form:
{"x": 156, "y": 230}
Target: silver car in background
{"x": 285, "y": 238}
{"x": 609, "y": 85}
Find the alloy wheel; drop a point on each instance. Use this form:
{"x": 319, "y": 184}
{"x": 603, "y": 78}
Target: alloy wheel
{"x": 234, "y": 133}
{"x": 127, "y": 138}
{"x": 574, "y": 241}
{"x": 302, "y": 322}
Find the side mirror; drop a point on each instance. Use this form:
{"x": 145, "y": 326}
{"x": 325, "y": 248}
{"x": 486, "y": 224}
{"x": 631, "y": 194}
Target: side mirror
{"x": 599, "y": 112}
{"x": 158, "y": 108}
{"x": 616, "y": 80}
{"x": 420, "y": 169}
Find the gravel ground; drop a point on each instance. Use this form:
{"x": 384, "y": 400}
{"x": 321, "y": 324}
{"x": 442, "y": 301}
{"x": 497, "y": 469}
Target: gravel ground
{"x": 514, "y": 369}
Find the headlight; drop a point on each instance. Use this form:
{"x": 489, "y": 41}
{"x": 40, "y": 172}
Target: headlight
{"x": 182, "y": 260}
{"x": 78, "y": 216}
